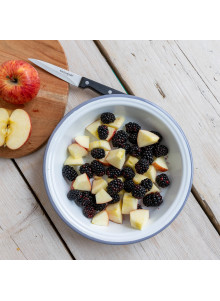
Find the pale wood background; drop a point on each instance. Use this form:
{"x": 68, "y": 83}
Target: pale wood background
{"x": 182, "y": 77}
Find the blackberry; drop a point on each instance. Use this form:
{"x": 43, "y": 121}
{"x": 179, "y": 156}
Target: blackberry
{"x": 147, "y": 183}
{"x": 126, "y": 146}
{"x": 139, "y": 206}
{"x": 129, "y": 185}
{"x": 147, "y": 155}
{"x": 115, "y": 186}
{"x": 133, "y": 138}
{"x": 86, "y": 168}
{"x": 127, "y": 173}
{"x": 138, "y": 192}
{"x": 74, "y": 195}
{"x": 159, "y": 135}
{"x": 107, "y": 117}
{"x": 103, "y": 132}
{"x": 132, "y": 127}
{"x": 141, "y": 166}
{"x": 119, "y": 138}
{"x": 147, "y": 148}
{"x": 153, "y": 200}
{"x": 163, "y": 180}
{"x": 100, "y": 207}
{"x": 83, "y": 199}
{"x": 87, "y": 200}
{"x": 160, "y": 150}
{"x": 69, "y": 172}
{"x": 113, "y": 172}
{"x": 97, "y": 168}
{"x": 89, "y": 211}
{"x": 115, "y": 199}
{"x": 135, "y": 151}
{"x": 98, "y": 153}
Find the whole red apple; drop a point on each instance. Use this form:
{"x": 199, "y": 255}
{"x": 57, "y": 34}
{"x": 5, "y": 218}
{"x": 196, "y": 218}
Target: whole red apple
{"x": 19, "y": 82}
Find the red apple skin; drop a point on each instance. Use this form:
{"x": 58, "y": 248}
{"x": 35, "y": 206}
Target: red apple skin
{"x": 19, "y": 82}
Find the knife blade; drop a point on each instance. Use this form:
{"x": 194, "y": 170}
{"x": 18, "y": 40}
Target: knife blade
{"x": 75, "y": 79}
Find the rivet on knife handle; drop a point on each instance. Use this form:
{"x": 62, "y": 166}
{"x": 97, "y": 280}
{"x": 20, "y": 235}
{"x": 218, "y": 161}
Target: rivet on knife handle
{"x": 97, "y": 87}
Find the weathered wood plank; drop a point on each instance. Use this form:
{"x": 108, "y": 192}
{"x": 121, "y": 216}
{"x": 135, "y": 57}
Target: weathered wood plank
{"x": 160, "y": 72}
{"x": 204, "y": 57}
{"x": 181, "y": 240}
{"x": 25, "y": 232}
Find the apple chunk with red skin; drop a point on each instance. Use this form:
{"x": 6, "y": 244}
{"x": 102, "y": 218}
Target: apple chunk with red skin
{"x": 81, "y": 182}
{"x": 15, "y": 129}
{"x": 19, "y": 82}
{"x": 83, "y": 141}
{"x": 77, "y": 151}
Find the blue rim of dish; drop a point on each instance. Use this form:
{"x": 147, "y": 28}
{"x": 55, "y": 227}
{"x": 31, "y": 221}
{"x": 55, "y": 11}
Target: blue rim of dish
{"x": 47, "y": 188}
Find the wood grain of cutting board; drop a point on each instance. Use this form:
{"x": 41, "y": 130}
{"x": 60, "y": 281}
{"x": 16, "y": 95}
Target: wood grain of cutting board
{"x": 47, "y": 109}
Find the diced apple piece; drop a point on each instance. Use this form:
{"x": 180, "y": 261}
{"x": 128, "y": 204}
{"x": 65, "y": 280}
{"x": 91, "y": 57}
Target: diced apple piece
{"x": 77, "y": 151}
{"x": 103, "y": 160}
{"x": 153, "y": 189}
{"x": 101, "y": 219}
{"x": 100, "y": 144}
{"x": 116, "y": 157}
{"x": 111, "y": 132}
{"x": 131, "y": 161}
{"x": 19, "y": 129}
{"x": 4, "y": 119}
{"x": 139, "y": 218}
{"x": 145, "y": 138}
{"x": 121, "y": 193}
{"x": 83, "y": 141}
{"x": 138, "y": 178}
{"x": 98, "y": 184}
{"x": 115, "y": 212}
{"x": 93, "y": 128}
{"x": 82, "y": 182}
{"x": 129, "y": 203}
{"x": 117, "y": 123}
{"x": 160, "y": 164}
{"x": 72, "y": 161}
{"x": 151, "y": 173}
{"x": 102, "y": 197}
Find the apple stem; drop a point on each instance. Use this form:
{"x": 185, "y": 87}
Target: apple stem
{"x": 12, "y": 79}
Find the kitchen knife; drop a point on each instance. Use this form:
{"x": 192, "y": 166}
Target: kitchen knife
{"x": 75, "y": 79}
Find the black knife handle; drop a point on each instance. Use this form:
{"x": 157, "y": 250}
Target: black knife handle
{"x": 97, "y": 87}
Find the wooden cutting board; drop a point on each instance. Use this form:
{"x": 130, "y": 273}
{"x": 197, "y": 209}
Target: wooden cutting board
{"x": 48, "y": 107}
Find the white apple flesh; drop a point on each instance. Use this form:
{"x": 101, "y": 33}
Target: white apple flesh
{"x": 73, "y": 161}
{"x": 98, "y": 184}
{"x": 139, "y": 218}
{"x": 116, "y": 157}
{"x": 100, "y": 144}
{"x": 115, "y": 212}
{"x": 4, "y": 118}
{"x": 101, "y": 219}
{"x": 102, "y": 197}
{"x": 83, "y": 141}
{"x": 129, "y": 203}
{"x": 146, "y": 138}
{"x": 81, "y": 182}
{"x": 160, "y": 164}
{"x": 19, "y": 129}
{"x": 77, "y": 151}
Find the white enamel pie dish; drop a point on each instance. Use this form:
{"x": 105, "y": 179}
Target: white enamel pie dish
{"x": 150, "y": 117}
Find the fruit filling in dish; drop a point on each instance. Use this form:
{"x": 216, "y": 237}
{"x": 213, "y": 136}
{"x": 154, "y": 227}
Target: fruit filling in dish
{"x": 120, "y": 173}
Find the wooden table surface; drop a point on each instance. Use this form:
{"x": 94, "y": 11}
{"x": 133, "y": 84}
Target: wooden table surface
{"x": 180, "y": 76}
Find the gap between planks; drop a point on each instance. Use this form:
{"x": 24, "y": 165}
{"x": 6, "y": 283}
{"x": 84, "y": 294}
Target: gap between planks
{"x": 203, "y": 204}
{"x": 42, "y": 208}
